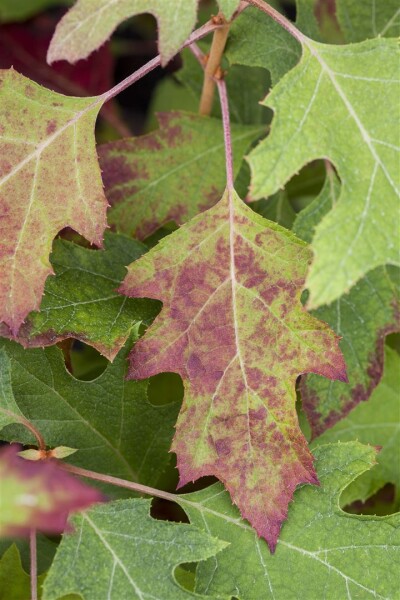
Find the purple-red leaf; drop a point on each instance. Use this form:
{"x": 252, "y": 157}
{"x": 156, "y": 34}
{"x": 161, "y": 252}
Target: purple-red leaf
{"x": 234, "y": 328}
{"x": 49, "y": 179}
{"x": 38, "y": 495}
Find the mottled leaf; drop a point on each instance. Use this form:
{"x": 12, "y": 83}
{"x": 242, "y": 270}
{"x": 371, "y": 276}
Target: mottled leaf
{"x": 49, "y": 179}
{"x": 233, "y": 327}
{"x": 110, "y": 421}
{"x": 326, "y": 107}
{"x": 89, "y": 24}
{"x": 81, "y": 300}
{"x": 322, "y": 552}
{"x": 38, "y": 495}
{"x": 118, "y": 551}
{"x": 362, "y": 319}
{"x": 367, "y": 19}
{"x": 374, "y": 422}
{"x": 168, "y": 175}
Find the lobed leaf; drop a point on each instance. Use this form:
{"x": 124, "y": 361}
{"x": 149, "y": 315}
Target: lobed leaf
{"x": 80, "y": 301}
{"x": 14, "y": 582}
{"x": 49, "y": 179}
{"x": 374, "y": 422}
{"x": 361, "y": 318}
{"x": 119, "y": 551}
{"x": 168, "y": 175}
{"x": 115, "y": 428}
{"x": 90, "y": 23}
{"x": 326, "y": 107}
{"x": 255, "y": 40}
{"x": 38, "y": 495}
{"x": 322, "y": 551}
{"x": 233, "y": 327}
{"x": 371, "y": 18}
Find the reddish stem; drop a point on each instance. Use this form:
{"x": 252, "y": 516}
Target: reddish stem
{"x": 130, "y": 485}
{"x": 223, "y": 97}
{"x": 33, "y": 569}
{"x": 28, "y": 425}
{"x": 276, "y": 16}
{"x": 156, "y": 62}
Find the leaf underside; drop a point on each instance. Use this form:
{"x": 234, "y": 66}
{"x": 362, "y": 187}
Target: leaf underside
{"x": 89, "y": 24}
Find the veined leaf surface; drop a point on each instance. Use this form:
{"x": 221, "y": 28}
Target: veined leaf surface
{"x": 233, "y": 327}
{"x": 49, "y": 179}
{"x": 326, "y": 107}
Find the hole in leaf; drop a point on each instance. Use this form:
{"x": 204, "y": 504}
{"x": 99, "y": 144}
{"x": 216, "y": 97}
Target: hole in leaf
{"x": 86, "y": 362}
{"x": 165, "y": 388}
{"x": 383, "y": 502}
{"x": 164, "y": 510}
{"x": 393, "y": 340}
{"x": 185, "y": 575}
{"x": 155, "y": 237}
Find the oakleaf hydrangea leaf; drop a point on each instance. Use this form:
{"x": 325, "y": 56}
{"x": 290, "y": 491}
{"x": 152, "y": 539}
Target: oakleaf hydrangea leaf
{"x": 38, "y": 495}
{"x": 361, "y": 318}
{"x": 322, "y": 551}
{"x": 233, "y": 327}
{"x": 119, "y": 551}
{"x": 255, "y": 40}
{"x": 168, "y": 175}
{"x": 49, "y": 179}
{"x": 115, "y": 428}
{"x": 374, "y": 422}
{"x": 81, "y": 300}
{"x": 326, "y": 107}
{"x": 88, "y": 24}
{"x": 368, "y": 19}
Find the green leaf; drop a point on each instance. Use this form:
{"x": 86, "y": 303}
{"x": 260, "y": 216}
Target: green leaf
{"x": 116, "y": 430}
{"x": 368, "y": 19}
{"x": 232, "y": 325}
{"x": 228, "y": 7}
{"x": 38, "y": 495}
{"x": 322, "y": 552}
{"x": 362, "y": 319}
{"x": 326, "y": 107}
{"x": 14, "y": 582}
{"x": 168, "y": 175}
{"x": 118, "y": 551}
{"x": 81, "y": 301}
{"x": 374, "y": 422}
{"x": 89, "y": 24}
{"x": 255, "y": 40}
{"x": 49, "y": 179}
{"x": 9, "y": 411}
{"x": 20, "y": 10}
